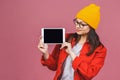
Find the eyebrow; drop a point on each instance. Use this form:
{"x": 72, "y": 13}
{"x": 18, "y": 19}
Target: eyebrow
{"x": 81, "y": 22}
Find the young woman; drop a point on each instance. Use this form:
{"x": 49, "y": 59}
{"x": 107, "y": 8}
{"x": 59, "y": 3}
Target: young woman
{"x": 82, "y": 55}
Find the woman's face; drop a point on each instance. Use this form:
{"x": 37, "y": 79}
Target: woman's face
{"x": 81, "y": 27}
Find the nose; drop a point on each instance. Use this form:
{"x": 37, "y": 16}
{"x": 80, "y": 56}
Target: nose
{"x": 77, "y": 26}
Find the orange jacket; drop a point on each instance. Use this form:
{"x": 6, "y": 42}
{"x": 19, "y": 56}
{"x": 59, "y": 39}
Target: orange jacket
{"x": 85, "y": 67}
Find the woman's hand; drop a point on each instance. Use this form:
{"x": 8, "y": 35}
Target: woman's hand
{"x": 68, "y": 48}
{"x": 43, "y": 48}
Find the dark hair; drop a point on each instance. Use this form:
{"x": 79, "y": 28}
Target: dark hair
{"x": 94, "y": 41}
{"x": 92, "y": 38}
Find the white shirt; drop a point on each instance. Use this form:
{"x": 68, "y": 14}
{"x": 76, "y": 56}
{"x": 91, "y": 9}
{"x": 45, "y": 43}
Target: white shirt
{"x": 68, "y": 72}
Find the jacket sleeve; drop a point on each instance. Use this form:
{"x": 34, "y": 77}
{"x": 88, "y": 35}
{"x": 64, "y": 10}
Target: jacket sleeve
{"x": 90, "y": 69}
{"x": 52, "y": 61}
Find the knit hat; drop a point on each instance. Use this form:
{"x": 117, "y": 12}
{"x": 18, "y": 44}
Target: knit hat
{"x": 90, "y": 14}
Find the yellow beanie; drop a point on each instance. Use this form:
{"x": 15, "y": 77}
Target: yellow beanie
{"x": 90, "y": 14}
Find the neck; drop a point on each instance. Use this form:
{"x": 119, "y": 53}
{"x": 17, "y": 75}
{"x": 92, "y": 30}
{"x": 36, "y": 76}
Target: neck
{"x": 83, "y": 39}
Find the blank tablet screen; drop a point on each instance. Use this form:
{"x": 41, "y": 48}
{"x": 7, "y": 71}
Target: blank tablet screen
{"x": 53, "y": 35}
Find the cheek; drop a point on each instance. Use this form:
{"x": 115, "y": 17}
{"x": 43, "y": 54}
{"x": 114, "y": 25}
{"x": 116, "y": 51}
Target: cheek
{"x": 87, "y": 30}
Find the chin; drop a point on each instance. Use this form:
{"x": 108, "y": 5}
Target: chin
{"x": 79, "y": 33}
{"x": 82, "y": 34}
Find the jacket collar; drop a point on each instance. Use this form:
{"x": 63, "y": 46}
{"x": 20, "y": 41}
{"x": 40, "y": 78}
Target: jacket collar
{"x": 85, "y": 47}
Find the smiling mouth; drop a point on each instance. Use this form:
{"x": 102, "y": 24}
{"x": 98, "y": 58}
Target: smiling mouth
{"x": 78, "y": 30}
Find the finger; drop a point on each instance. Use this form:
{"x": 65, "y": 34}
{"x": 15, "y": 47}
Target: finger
{"x": 46, "y": 46}
{"x": 63, "y": 45}
{"x": 40, "y": 37}
{"x": 41, "y": 49}
{"x": 40, "y": 45}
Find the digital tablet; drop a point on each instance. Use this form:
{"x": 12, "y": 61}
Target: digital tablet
{"x": 53, "y": 35}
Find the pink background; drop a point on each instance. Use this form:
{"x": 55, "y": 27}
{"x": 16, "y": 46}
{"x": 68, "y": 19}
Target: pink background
{"x": 20, "y": 24}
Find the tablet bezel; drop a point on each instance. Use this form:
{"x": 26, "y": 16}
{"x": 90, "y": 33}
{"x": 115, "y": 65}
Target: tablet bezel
{"x": 42, "y": 33}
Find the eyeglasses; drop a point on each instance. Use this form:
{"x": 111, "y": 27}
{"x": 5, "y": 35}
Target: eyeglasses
{"x": 81, "y": 25}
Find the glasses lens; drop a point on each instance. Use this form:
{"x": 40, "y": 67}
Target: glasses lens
{"x": 79, "y": 23}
